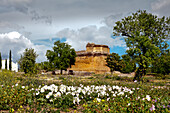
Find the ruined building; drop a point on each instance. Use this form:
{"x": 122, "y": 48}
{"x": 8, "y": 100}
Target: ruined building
{"x": 92, "y": 59}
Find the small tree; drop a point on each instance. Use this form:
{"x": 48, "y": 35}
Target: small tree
{"x": 10, "y": 61}
{"x": 61, "y": 57}
{"x": 6, "y": 64}
{"x": 0, "y": 61}
{"x": 145, "y": 36}
{"x": 161, "y": 64}
{"x": 130, "y": 65}
{"x": 45, "y": 65}
{"x": 114, "y": 62}
{"x": 27, "y": 61}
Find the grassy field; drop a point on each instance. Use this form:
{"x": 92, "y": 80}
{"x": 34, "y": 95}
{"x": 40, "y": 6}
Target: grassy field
{"x": 87, "y": 94}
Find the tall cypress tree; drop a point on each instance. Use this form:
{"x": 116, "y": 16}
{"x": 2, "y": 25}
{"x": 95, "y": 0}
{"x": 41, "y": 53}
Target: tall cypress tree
{"x": 0, "y": 61}
{"x": 6, "y": 64}
{"x": 10, "y": 61}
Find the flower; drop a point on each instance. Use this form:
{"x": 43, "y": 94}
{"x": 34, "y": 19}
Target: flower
{"x": 37, "y": 93}
{"x": 152, "y": 108}
{"x": 58, "y": 94}
{"x": 50, "y": 93}
{"x": 98, "y": 99}
{"x": 130, "y": 92}
{"x": 51, "y": 100}
{"x": 42, "y": 90}
{"x": 135, "y": 81}
{"x": 12, "y": 110}
{"x": 47, "y": 96}
{"x": 148, "y": 97}
{"x": 23, "y": 87}
{"x": 76, "y": 100}
{"x": 114, "y": 95}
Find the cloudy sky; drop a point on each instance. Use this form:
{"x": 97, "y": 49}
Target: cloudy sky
{"x": 38, "y": 23}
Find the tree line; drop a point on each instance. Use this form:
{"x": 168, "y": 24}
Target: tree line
{"x": 146, "y": 38}
{"x": 61, "y": 57}
{"x": 10, "y": 61}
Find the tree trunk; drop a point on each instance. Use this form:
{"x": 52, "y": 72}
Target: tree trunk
{"x": 111, "y": 72}
{"x": 140, "y": 72}
{"x": 61, "y": 72}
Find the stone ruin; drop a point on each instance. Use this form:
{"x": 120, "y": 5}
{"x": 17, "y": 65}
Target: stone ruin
{"x": 92, "y": 59}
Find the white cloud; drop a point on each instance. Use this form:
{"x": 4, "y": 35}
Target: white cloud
{"x": 160, "y": 4}
{"x": 17, "y": 43}
{"x": 79, "y": 38}
{"x": 8, "y": 25}
{"x": 161, "y": 7}
{"x": 110, "y": 20}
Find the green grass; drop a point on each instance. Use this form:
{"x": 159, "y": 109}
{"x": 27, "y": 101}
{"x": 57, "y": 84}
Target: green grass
{"x": 18, "y": 93}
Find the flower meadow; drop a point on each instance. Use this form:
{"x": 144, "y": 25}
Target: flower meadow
{"x": 16, "y": 96}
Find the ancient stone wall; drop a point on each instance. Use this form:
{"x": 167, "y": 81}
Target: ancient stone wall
{"x": 92, "y": 59}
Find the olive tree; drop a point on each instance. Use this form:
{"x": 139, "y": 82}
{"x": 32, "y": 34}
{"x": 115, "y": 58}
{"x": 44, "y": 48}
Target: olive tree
{"x": 145, "y": 36}
{"x": 62, "y": 56}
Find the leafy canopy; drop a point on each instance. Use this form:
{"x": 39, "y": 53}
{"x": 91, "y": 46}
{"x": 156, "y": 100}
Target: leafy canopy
{"x": 129, "y": 64}
{"x": 146, "y": 36}
{"x": 114, "y": 62}
{"x": 62, "y": 56}
{"x": 161, "y": 64}
{"x": 27, "y": 61}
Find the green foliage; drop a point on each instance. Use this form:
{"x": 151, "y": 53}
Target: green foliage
{"x": 161, "y": 64}
{"x": 10, "y": 60}
{"x": 46, "y": 66}
{"x": 29, "y": 94}
{"x": 27, "y": 61}
{"x": 129, "y": 63}
{"x": 61, "y": 57}
{"x": 7, "y": 78}
{"x": 6, "y": 64}
{"x": 0, "y": 61}
{"x": 145, "y": 36}
{"x": 114, "y": 62}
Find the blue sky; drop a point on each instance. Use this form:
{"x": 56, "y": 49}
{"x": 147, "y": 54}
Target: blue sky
{"x": 37, "y": 23}
{"x": 50, "y": 43}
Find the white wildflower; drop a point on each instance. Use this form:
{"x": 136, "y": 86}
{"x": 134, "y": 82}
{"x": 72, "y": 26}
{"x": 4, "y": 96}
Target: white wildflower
{"x": 37, "y": 93}
{"x": 76, "y": 100}
{"x": 42, "y": 90}
{"x": 47, "y": 96}
{"x": 114, "y": 95}
{"x": 98, "y": 99}
{"x": 148, "y": 97}
{"x": 135, "y": 81}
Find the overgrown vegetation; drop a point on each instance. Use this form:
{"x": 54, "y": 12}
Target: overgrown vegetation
{"x": 145, "y": 36}
{"x": 104, "y": 93}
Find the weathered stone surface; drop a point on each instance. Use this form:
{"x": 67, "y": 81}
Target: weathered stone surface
{"x": 92, "y": 59}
